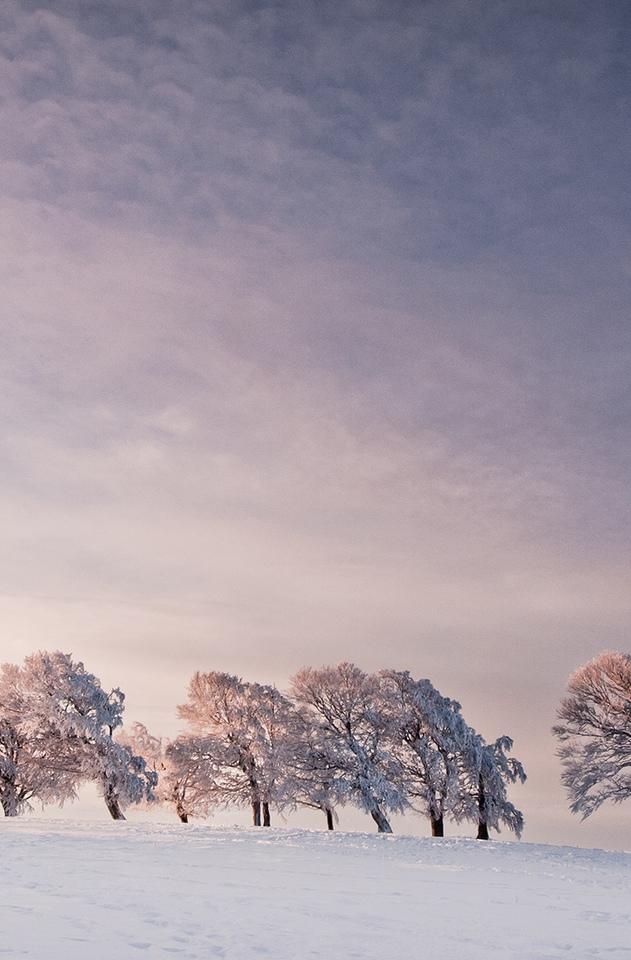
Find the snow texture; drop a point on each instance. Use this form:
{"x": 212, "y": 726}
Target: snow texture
{"x": 130, "y": 890}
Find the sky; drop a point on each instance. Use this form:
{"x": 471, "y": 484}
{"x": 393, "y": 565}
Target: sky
{"x": 316, "y": 346}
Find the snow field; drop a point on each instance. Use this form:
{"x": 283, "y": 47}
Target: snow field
{"x": 126, "y": 890}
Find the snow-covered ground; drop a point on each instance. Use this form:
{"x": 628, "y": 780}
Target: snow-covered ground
{"x": 122, "y": 890}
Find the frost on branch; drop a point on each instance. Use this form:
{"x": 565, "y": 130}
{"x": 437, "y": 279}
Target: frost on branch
{"x": 314, "y": 778}
{"x": 594, "y": 731}
{"x": 344, "y": 703}
{"x": 273, "y": 713}
{"x": 33, "y": 765}
{"x": 486, "y": 769}
{"x": 428, "y": 735}
{"x": 241, "y": 727}
{"x": 189, "y": 780}
{"x": 186, "y": 774}
{"x": 384, "y": 743}
{"x": 57, "y": 727}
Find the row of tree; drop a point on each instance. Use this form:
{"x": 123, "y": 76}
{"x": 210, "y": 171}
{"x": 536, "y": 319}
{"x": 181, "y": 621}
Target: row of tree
{"x": 384, "y": 742}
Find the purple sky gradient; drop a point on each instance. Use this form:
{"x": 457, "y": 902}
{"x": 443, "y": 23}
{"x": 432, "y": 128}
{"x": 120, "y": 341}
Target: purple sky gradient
{"x": 316, "y": 346}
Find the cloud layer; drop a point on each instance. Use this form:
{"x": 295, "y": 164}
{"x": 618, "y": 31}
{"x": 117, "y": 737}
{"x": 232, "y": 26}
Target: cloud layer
{"x": 316, "y": 346}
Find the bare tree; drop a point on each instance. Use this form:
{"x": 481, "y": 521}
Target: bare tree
{"x": 594, "y": 731}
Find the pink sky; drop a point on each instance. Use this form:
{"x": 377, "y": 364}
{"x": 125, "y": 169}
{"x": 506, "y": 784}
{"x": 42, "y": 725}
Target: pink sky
{"x": 316, "y": 347}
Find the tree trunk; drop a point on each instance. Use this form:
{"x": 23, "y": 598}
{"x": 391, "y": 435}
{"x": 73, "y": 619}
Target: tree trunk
{"x": 267, "y": 821}
{"x": 483, "y": 831}
{"x": 438, "y": 826}
{"x": 9, "y": 808}
{"x": 329, "y": 818}
{"x": 9, "y": 801}
{"x": 183, "y": 816}
{"x": 112, "y": 804}
{"x": 380, "y": 819}
{"x": 256, "y": 813}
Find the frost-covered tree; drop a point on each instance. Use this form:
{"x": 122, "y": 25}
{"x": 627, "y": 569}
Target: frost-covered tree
{"x": 186, "y": 774}
{"x": 64, "y": 723}
{"x": 32, "y": 764}
{"x": 189, "y": 783}
{"x": 273, "y": 718}
{"x": 594, "y": 731}
{"x": 313, "y": 777}
{"x": 344, "y": 702}
{"x": 243, "y": 728}
{"x": 486, "y": 770}
{"x": 144, "y": 744}
{"x": 428, "y": 735}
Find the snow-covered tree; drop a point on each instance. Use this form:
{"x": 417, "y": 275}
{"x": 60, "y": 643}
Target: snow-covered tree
{"x": 344, "y": 702}
{"x": 428, "y": 735}
{"x": 486, "y": 769}
{"x": 312, "y": 774}
{"x": 594, "y": 731}
{"x": 33, "y": 765}
{"x": 189, "y": 783}
{"x": 186, "y": 774}
{"x": 273, "y": 718}
{"x": 64, "y": 722}
{"x": 243, "y": 726}
{"x": 145, "y": 745}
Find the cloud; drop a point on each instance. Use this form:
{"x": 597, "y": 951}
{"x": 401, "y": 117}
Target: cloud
{"x": 315, "y": 344}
